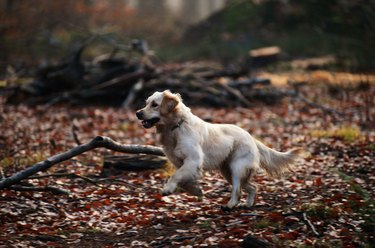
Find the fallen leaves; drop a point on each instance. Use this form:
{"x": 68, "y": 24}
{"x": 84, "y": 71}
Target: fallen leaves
{"x": 333, "y": 186}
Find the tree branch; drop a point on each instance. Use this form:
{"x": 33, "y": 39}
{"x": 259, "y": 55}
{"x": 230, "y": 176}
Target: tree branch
{"x": 97, "y": 142}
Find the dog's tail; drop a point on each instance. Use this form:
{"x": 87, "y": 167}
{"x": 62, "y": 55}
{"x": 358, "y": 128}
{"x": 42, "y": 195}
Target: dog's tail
{"x": 276, "y": 163}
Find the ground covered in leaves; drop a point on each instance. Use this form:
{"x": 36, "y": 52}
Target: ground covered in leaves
{"x": 327, "y": 201}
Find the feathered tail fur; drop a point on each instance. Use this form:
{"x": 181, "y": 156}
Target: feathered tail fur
{"x": 274, "y": 162}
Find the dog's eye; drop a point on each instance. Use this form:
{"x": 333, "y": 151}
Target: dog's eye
{"x": 154, "y": 105}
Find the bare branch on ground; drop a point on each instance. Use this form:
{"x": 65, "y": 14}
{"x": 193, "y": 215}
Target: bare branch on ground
{"x": 97, "y": 142}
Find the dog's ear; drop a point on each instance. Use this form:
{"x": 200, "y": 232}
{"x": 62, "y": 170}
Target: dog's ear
{"x": 169, "y": 102}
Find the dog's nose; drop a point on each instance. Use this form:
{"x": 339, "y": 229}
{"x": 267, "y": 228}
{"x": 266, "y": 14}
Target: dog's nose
{"x": 139, "y": 114}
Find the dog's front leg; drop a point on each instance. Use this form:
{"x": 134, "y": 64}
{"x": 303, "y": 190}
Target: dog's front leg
{"x": 170, "y": 186}
{"x": 188, "y": 172}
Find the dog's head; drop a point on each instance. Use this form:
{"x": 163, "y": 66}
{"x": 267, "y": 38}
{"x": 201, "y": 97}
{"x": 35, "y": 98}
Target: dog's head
{"x": 158, "y": 107}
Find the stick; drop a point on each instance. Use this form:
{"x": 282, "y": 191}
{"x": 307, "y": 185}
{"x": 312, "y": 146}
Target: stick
{"x": 112, "y": 180}
{"x": 97, "y": 142}
{"x": 318, "y": 106}
{"x": 236, "y": 93}
{"x": 234, "y": 223}
{"x": 51, "y": 189}
{"x": 308, "y": 222}
{"x": 296, "y": 94}
{"x": 74, "y": 133}
{"x": 69, "y": 175}
{"x": 305, "y": 220}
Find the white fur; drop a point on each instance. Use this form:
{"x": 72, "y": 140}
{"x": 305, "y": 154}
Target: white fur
{"x": 192, "y": 145}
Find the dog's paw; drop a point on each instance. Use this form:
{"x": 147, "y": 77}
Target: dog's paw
{"x": 165, "y": 193}
{"x": 226, "y": 208}
{"x": 191, "y": 189}
{"x": 169, "y": 188}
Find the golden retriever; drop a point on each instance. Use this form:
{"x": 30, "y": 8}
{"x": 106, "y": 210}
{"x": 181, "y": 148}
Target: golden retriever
{"x": 193, "y": 145}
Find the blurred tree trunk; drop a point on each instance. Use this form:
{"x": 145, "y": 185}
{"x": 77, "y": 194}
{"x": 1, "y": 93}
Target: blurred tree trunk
{"x": 152, "y": 8}
{"x": 193, "y": 11}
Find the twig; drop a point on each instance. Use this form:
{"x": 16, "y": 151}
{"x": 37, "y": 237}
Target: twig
{"x": 318, "y": 106}
{"x": 236, "y": 93}
{"x": 305, "y": 220}
{"x": 308, "y": 222}
{"x": 51, "y": 189}
{"x": 97, "y": 142}
{"x": 119, "y": 181}
{"x": 74, "y": 133}
{"x": 249, "y": 214}
{"x": 296, "y": 94}
{"x": 68, "y": 175}
{"x": 234, "y": 223}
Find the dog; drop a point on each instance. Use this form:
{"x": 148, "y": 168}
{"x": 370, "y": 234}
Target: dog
{"x": 193, "y": 145}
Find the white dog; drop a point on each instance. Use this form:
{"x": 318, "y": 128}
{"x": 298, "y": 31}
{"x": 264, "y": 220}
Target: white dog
{"x": 192, "y": 145}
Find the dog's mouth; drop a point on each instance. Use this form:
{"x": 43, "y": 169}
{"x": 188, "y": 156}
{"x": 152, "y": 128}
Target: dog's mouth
{"x": 150, "y": 122}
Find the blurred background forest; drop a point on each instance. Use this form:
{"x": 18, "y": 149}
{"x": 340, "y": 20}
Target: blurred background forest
{"x": 40, "y": 31}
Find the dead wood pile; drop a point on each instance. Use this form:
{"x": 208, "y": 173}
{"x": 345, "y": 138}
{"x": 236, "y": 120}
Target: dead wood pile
{"x": 127, "y": 81}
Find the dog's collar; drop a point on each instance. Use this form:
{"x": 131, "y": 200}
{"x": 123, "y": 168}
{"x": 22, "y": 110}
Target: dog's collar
{"x": 178, "y": 124}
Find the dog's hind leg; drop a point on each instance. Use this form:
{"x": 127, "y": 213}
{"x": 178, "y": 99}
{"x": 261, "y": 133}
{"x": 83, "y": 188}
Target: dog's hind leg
{"x": 251, "y": 189}
{"x": 236, "y": 192}
{"x": 226, "y": 172}
{"x": 236, "y": 173}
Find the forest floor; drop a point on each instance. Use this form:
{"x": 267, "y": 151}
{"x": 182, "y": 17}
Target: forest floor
{"x": 326, "y": 202}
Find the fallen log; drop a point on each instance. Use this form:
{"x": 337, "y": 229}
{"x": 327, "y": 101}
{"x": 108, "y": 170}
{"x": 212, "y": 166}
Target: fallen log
{"x": 264, "y": 56}
{"x": 97, "y": 142}
{"x": 131, "y": 163}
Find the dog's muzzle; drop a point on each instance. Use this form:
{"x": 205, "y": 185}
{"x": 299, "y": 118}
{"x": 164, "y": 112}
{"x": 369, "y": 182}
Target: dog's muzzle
{"x": 150, "y": 122}
{"x": 146, "y": 123}
{"x": 139, "y": 114}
